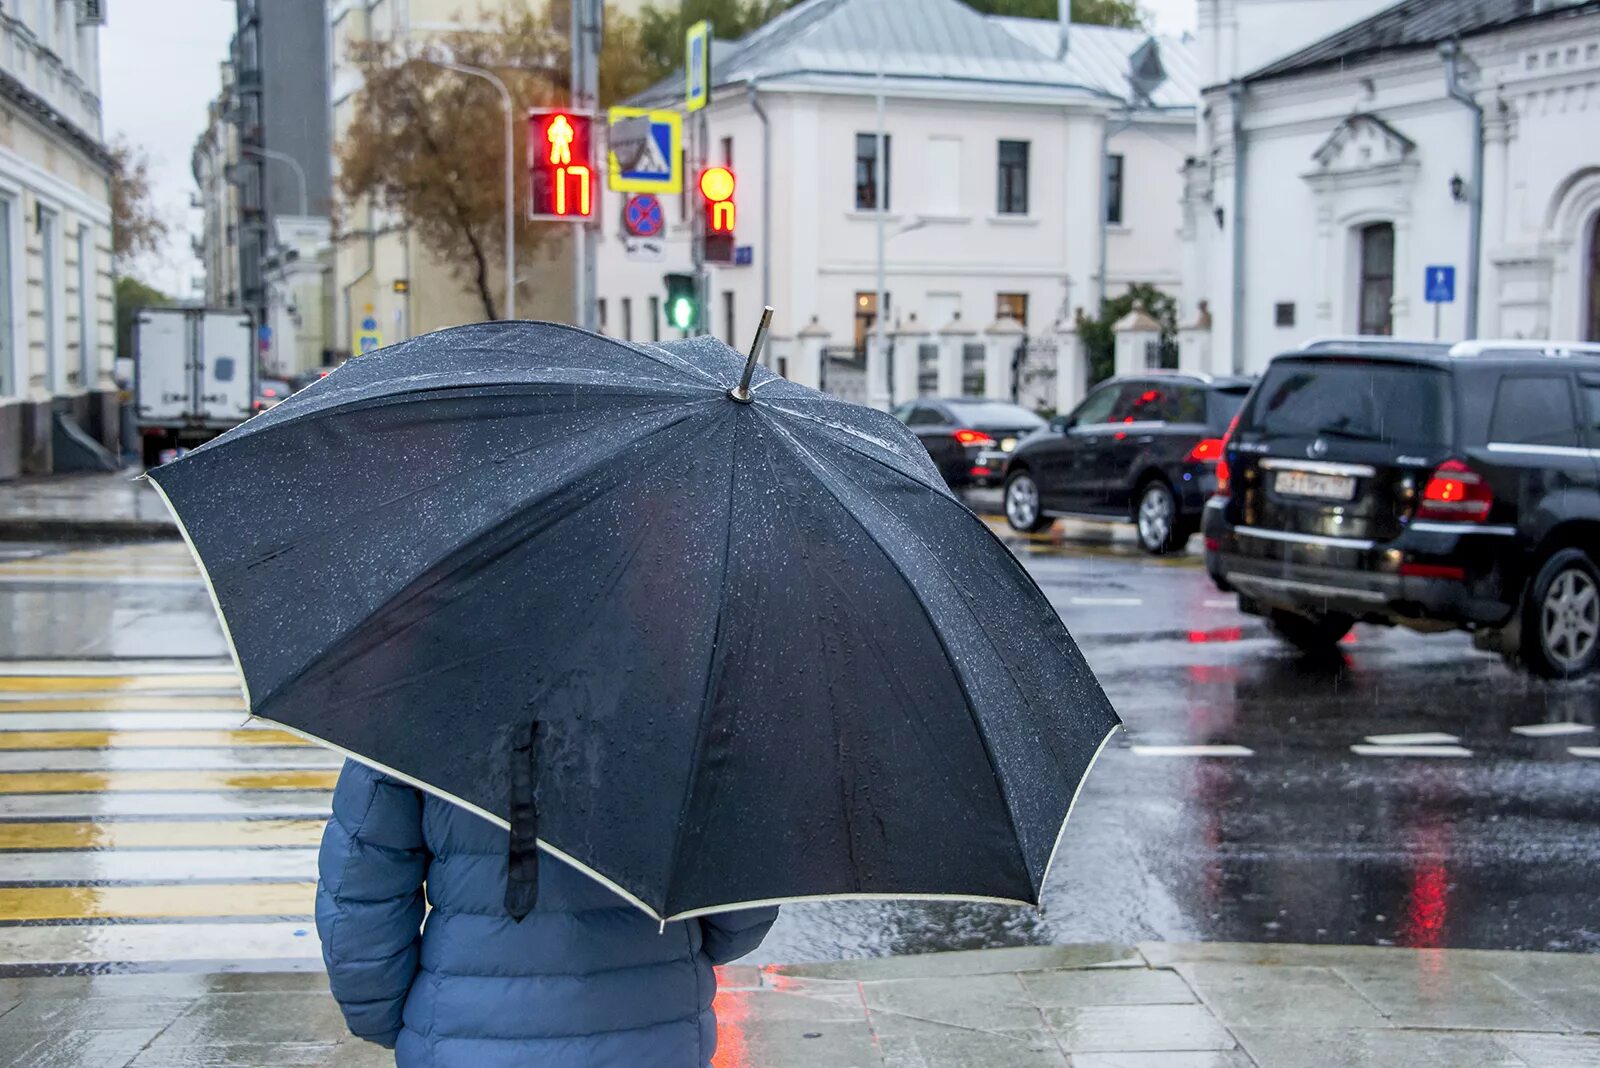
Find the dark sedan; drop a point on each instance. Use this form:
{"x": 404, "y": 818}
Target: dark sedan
{"x": 1141, "y": 448}
{"x": 968, "y": 438}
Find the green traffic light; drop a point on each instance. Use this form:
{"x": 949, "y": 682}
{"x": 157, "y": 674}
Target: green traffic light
{"x": 682, "y": 313}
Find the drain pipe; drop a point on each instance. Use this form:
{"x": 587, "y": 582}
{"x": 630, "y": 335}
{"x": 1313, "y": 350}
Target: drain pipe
{"x": 766, "y": 194}
{"x": 1236, "y": 100}
{"x": 1450, "y": 52}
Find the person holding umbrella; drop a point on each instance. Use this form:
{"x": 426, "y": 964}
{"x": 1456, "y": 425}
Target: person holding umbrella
{"x": 675, "y": 631}
{"x": 585, "y": 979}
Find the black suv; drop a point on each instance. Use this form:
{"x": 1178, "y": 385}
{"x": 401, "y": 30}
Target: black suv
{"x": 1140, "y": 448}
{"x": 1430, "y": 486}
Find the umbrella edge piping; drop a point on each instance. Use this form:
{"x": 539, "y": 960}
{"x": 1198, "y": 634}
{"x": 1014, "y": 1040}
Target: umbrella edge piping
{"x": 211, "y": 591}
{"x": 1073, "y": 804}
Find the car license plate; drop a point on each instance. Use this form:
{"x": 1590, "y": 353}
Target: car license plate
{"x": 1307, "y": 484}
{"x": 1007, "y": 444}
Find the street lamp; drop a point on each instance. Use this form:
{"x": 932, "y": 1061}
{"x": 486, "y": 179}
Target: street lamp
{"x": 511, "y": 173}
{"x": 281, "y": 157}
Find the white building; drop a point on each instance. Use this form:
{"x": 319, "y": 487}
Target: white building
{"x": 997, "y": 140}
{"x": 1361, "y": 172}
{"x": 56, "y": 329}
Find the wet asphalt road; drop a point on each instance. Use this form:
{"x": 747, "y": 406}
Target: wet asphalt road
{"x": 1286, "y": 833}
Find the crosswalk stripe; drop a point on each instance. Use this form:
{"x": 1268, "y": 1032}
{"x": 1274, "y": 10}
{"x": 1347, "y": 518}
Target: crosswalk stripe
{"x": 120, "y": 721}
{"x": 286, "y": 804}
{"x": 1420, "y": 738}
{"x": 1591, "y": 752}
{"x": 292, "y": 943}
{"x": 125, "y": 702}
{"x": 248, "y": 737}
{"x": 98, "y": 669}
{"x": 77, "y": 782}
{"x": 168, "y": 834}
{"x": 210, "y": 682}
{"x": 232, "y": 758}
{"x": 163, "y": 901}
{"x": 1411, "y": 750}
{"x": 1192, "y": 750}
{"x": 104, "y": 867}
{"x": 1551, "y": 730}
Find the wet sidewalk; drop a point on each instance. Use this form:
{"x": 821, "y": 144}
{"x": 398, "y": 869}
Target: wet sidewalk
{"x": 97, "y": 507}
{"x": 1156, "y": 1005}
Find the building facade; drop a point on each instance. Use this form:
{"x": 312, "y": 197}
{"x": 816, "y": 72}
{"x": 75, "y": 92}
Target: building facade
{"x": 56, "y": 297}
{"x": 998, "y": 201}
{"x": 1363, "y": 184}
{"x": 262, "y": 167}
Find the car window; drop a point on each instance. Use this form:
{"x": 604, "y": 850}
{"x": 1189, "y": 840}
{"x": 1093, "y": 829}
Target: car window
{"x": 1591, "y": 410}
{"x": 993, "y": 413}
{"x": 1187, "y": 404}
{"x": 1534, "y": 410}
{"x": 1098, "y": 407}
{"x": 902, "y": 412}
{"x": 1143, "y": 402}
{"x": 1225, "y": 404}
{"x": 922, "y": 415}
{"x": 1396, "y": 403}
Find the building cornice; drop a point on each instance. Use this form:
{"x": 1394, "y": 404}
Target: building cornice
{"x": 41, "y": 111}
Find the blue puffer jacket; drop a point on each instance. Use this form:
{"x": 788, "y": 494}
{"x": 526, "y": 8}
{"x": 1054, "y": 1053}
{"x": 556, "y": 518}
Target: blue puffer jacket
{"x": 585, "y": 980}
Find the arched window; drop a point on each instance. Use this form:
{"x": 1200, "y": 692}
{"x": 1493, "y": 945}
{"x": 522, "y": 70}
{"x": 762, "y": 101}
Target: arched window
{"x": 1591, "y": 288}
{"x": 1375, "y": 313}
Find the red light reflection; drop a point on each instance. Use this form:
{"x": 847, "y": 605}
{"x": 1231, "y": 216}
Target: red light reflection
{"x": 733, "y": 1009}
{"x": 1220, "y": 634}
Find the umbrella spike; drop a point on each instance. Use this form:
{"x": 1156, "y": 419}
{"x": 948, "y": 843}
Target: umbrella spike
{"x": 741, "y": 392}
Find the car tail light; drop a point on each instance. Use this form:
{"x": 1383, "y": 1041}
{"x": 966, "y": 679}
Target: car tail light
{"x": 973, "y": 437}
{"x": 1456, "y": 493}
{"x": 1433, "y": 571}
{"x": 1224, "y": 472}
{"x": 258, "y": 406}
{"x": 1205, "y": 451}
{"x": 269, "y": 392}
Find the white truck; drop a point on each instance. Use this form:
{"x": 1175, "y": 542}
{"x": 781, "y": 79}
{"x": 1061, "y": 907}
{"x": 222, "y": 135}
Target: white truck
{"x": 194, "y": 376}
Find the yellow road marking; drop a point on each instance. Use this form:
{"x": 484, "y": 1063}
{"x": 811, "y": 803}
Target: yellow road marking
{"x": 83, "y": 782}
{"x": 171, "y": 834}
{"x": 127, "y": 702}
{"x": 217, "y": 680}
{"x": 139, "y": 902}
{"x": 179, "y": 739}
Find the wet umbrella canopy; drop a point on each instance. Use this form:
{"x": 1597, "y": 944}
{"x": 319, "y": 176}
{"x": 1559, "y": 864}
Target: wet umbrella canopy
{"x": 769, "y": 655}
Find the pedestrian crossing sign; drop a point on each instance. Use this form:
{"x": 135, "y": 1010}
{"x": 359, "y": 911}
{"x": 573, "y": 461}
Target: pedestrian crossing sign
{"x": 644, "y": 150}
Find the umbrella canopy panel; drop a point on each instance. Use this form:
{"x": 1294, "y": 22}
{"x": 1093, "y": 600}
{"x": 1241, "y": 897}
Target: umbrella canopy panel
{"x": 771, "y": 655}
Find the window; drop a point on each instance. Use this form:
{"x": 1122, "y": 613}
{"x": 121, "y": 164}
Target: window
{"x": 1375, "y": 313}
{"x": 727, "y": 317}
{"x": 1591, "y": 395}
{"x": 1534, "y": 410}
{"x": 601, "y": 305}
{"x": 1283, "y": 314}
{"x": 88, "y": 329}
{"x": 1147, "y": 402}
{"x": 922, "y": 415}
{"x": 727, "y": 152}
{"x": 1114, "y": 190}
{"x": 1098, "y": 407}
{"x": 655, "y": 318}
{"x": 1012, "y": 304}
{"x": 1592, "y": 326}
{"x": 1188, "y": 405}
{"x": 868, "y": 172}
{"x": 1013, "y": 178}
{"x": 627, "y": 318}
{"x": 1353, "y": 400}
{"x": 8, "y": 356}
{"x": 867, "y": 316}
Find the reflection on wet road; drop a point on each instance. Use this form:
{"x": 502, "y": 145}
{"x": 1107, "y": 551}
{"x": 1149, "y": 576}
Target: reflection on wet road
{"x": 1413, "y": 792}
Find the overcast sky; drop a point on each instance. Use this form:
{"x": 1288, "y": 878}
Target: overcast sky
{"x": 159, "y": 73}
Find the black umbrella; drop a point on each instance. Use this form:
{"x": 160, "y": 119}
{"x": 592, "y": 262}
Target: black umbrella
{"x": 723, "y": 652}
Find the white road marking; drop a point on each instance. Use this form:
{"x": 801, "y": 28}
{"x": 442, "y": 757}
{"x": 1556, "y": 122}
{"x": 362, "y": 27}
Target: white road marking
{"x": 289, "y": 804}
{"x": 1222, "y": 602}
{"x": 1423, "y": 738}
{"x": 121, "y": 721}
{"x": 52, "y": 943}
{"x": 1590, "y": 751}
{"x": 230, "y": 758}
{"x": 70, "y": 668}
{"x": 51, "y": 579}
{"x": 161, "y": 865}
{"x": 1411, "y": 750}
{"x": 1192, "y": 751}
{"x": 1551, "y": 730}
{"x": 1107, "y": 602}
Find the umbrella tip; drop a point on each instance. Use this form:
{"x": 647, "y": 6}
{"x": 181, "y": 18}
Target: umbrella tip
{"x": 741, "y": 392}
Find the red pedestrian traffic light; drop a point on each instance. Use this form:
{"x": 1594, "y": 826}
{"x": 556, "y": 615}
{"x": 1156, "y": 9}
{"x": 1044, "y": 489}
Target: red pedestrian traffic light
{"x": 716, "y": 185}
{"x": 560, "y": 157}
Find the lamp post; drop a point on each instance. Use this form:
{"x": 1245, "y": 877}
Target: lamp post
{"x": 294, "y": 164}
{"x": 511, "y": 174}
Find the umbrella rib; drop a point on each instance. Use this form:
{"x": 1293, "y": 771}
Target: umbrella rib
{"x": 814, "y": 462}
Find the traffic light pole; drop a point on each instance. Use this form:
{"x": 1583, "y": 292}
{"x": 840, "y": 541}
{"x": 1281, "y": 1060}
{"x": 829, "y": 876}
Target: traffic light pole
{"x": 586, "y": 30}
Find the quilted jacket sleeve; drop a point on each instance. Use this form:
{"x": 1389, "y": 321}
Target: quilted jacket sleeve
{"x": 730, "y": 935}
{"x": 369, "y": 899}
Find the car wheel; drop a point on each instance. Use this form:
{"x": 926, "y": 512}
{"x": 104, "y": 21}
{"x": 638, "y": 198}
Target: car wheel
{"x": 1023, "y": 510}
{"x": 1315, "y": 635}
{"x": 1561, "y": 617}
{"x": 1157, "y": 519}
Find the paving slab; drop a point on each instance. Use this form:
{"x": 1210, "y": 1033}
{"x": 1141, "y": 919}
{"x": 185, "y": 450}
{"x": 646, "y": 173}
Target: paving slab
{"x": 1275, "y": 995}
{"x": 974, "y": 962}
{"x": 1426, "y": 993}
{"x": 1138, "y": 1028}
{"x": 1107, "y": 986}
{"x": 1394, "y": 1048}
{"x": 1186, "y": 1059}
{"x": 249, "y": 1055}
{"x": 1554, "y": 1051}
{"x": 74, "y": 1049}
{"x": 83, "y": 507}
{"x": 265, "y": 1018}
{"x": 907, "y": 1042}
{"x": 1565, "y": 986}
{"x": 980, "y": 1002}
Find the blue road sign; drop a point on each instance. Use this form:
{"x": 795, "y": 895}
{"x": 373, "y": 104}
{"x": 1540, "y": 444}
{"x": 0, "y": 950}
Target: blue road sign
{"x": 642, "y": 216}
{"x": 644, "y": 151}
{"x": 1441, "y": 284}
{"x": 744, "y": 255}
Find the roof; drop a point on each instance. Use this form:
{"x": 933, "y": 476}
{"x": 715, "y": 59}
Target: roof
{"x": 1417, "y": 24}
{"x": 1098, "y": 56}
{"x": 939, "y": 42}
